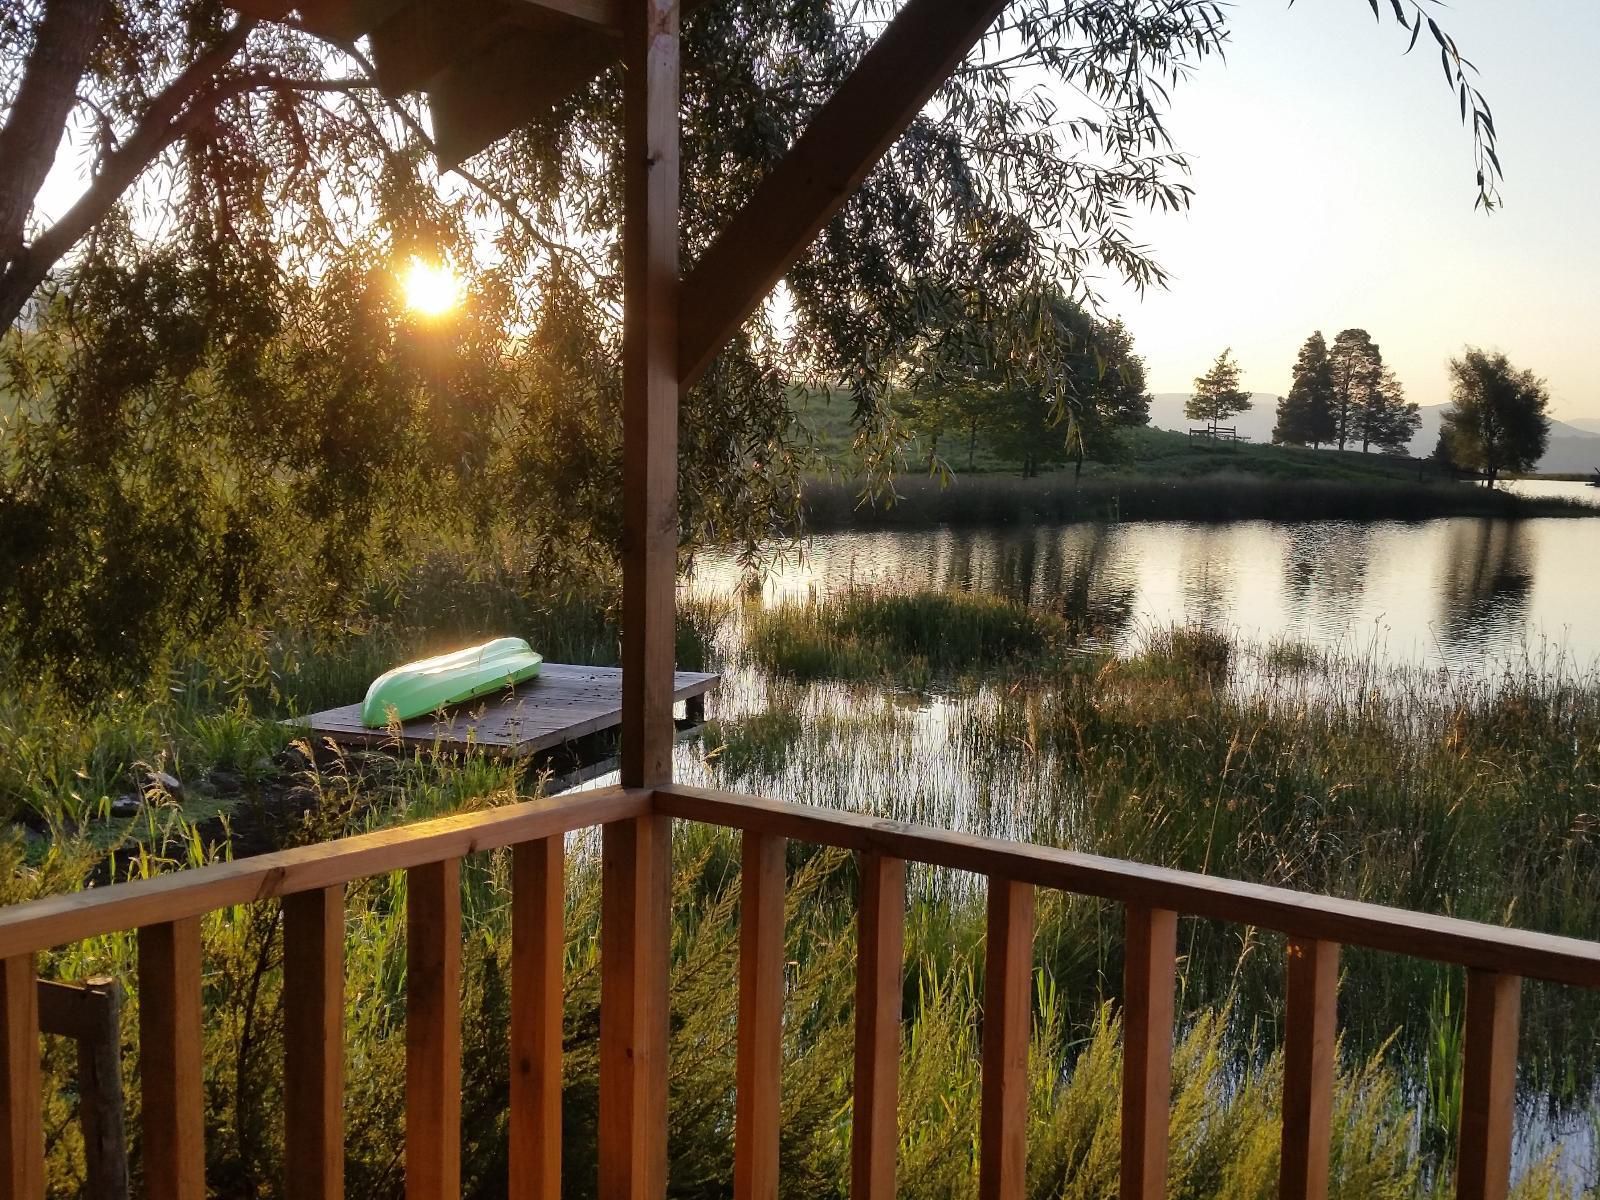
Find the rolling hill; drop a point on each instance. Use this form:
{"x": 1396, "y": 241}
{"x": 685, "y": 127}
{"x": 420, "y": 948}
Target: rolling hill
{"x": 1574, "y": 445}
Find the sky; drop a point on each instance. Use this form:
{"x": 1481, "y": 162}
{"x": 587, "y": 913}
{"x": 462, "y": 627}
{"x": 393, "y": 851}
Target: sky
{"x": 1334, "y": 188}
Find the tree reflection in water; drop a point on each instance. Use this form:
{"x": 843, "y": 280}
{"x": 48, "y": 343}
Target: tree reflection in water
{"x": 1485, "y": 582}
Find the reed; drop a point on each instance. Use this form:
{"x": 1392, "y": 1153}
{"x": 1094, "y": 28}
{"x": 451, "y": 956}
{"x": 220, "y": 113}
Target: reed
{"x": 923, "y": 502}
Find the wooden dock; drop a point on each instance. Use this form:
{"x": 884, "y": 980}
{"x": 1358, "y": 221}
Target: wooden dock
{"x": 565, "y": 703}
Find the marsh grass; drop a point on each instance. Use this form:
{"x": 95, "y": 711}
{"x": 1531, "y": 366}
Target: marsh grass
{"x": 1305, "y": 767}
{"x": 922, "y": 502}
{"x": 906, "y": 637}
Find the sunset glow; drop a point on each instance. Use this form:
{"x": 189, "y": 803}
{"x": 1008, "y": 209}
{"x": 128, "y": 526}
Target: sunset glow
{"x": 431, "y": 289}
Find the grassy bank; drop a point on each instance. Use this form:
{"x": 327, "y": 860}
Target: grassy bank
{"x": 920, "y": 501}
{"x": 1285, "y": 763}
{"x": 215, "y": 714}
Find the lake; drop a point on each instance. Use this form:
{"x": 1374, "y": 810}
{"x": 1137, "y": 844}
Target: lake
{"x": 1455, "y": 592}
{"x": 1451, "y": 597}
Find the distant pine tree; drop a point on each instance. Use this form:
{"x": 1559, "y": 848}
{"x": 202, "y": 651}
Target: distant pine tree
{"x": 1305, "y": 415}
{"x": 1217, "y": 395}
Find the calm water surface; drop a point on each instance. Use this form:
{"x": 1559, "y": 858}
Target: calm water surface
{"x": 1456, "y": 592}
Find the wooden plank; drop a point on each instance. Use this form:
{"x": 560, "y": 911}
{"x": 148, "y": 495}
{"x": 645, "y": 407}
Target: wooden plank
{"x": 880, "y": 962}
{"x": 1007, "y": 1010}
{"x": 635, "y": 932}
{"x": 1488, "y": 1086}
{"x": 564, "y": 704}
{"x": 74, "y": 1010}
{"x": 313, "y": 1044}
{"x": 517, "y": 78}
{"x": 759, "y": 1070}
{"x": 1309, "y": 1046}
{"x": 603, "y": 16}
{"x": 21, "y": 1087}
{"x": 1299, "y": 914}
{"x": 649, "y": 388}
{"x": 170, "y": 1067}
{"x": 1147, "y": 1000}
{"x": 101, "y": 1112}
{"x": 72, "y": 917}
{"x": 918, "y": 50}
{"x": 538, "y": 946}
{"x": 433, "y": 1031}
{"x": 520, "y": 75}
{"x": 419, "y": 41}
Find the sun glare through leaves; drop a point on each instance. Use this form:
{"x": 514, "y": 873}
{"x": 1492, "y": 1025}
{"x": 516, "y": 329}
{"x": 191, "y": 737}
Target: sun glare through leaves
{"x": 431, "y": 289}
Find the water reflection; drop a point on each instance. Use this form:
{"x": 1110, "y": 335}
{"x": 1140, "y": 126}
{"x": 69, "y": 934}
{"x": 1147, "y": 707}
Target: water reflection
{"x": 1486, "y": 582}
{"x": 1455, "y": 591}
{"x": 1207, "y": 564}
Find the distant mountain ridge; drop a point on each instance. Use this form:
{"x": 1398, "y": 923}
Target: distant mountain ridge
{"x": 1574, "y": 445}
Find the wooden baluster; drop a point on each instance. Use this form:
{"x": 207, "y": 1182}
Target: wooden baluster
{"x": 1007, "y": 1009}
{"x": 538, "y": 947}
{"x": 313, "y": 1044}
{"x": 880, "y": 957}
{"x": 1147, "y": 1004}
{"x": 1309, "y": 1042}
{"x": 433, "y": 1031}
{"x": 170, "y": 1065}
{"x": 760, "y": 1062}
{"x": 1488, "y": 1086}
{"x": 635, "y": 932}
{"x": 21, "y": 1088}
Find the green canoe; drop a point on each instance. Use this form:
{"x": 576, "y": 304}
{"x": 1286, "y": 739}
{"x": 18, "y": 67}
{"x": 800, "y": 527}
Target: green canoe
{"x": 432, "y": 683}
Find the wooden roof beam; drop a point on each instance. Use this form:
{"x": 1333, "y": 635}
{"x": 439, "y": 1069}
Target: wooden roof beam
{"x": 602, "y": 15}
{"x": 918, "y": 51}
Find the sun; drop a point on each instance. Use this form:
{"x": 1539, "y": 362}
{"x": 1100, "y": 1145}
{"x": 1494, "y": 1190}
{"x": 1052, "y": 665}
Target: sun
{"x": 431, "y": 289}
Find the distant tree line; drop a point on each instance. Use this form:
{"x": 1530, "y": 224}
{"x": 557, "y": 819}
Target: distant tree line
{"x": 1039, "y": 379}
{"x": 1344, "y": 396}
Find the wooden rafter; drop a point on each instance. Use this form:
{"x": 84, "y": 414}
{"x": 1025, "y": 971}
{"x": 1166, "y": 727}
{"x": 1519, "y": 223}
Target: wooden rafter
{"x": 924, "y": 43}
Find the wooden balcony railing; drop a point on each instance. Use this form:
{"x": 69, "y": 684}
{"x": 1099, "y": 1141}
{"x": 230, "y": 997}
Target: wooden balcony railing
{"x": 310, "y": 882}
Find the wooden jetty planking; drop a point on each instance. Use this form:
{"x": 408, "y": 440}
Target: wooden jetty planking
{"x": 565, "y": 703}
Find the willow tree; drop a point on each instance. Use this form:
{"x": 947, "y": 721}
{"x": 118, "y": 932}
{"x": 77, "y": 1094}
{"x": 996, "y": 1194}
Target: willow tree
{"x": 213, "y": 384}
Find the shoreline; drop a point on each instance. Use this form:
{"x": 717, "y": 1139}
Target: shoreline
{"x": 924, "y": 502}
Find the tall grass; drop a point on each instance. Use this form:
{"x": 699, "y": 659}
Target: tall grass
{"x": 1225, "y": 1110}
{"x": 220, "y": 707}
{"x": 921, "y": 502}
{"x": 909, "y": 637}
{"x": 1290, "y": 765}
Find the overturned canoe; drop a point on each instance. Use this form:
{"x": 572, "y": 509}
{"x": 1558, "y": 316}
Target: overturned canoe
{"x": 422, "y": 687}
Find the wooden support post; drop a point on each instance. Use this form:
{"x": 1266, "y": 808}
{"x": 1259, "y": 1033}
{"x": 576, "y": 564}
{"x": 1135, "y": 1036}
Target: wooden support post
{"x": 170, "y": 1064}
{"x": 760, "y": 1062}
{"x": 88, "y": 1013}
{"x": 1488, "y": 1086}
{"x": 635, "y": 928}
{"x": 880, "y": 961}
{"x": 1309, "y": 1042}
{"x": 1007, "y": 1010}
{"x": 433, "y": 1031}
{"x": 313, "y": 1044}
{"x": 21, "y": 1089}
{"x": 538, "y": 947}
{"x": 1147, "y": 1004}
{"x": 649, "y": 388}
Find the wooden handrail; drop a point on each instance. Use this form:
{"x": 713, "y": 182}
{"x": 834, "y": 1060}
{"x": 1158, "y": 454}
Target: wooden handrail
{"x": 634, "y": 966}
{"x": 74, "y": 916}
{"x": 1298, "y": 914}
